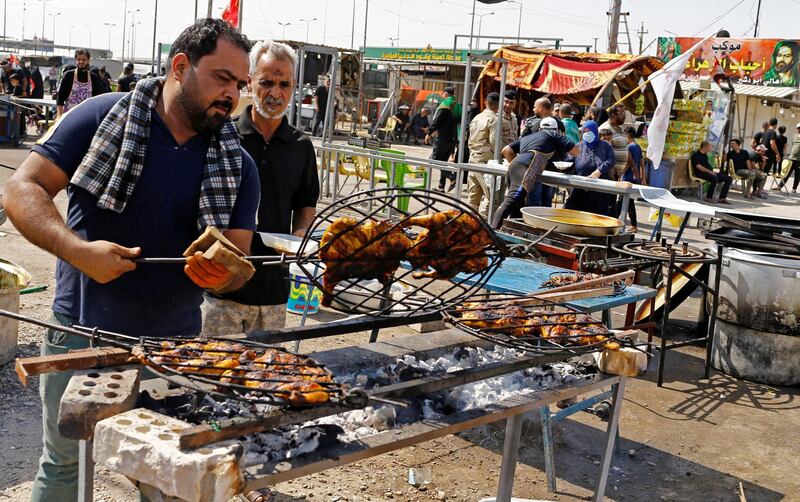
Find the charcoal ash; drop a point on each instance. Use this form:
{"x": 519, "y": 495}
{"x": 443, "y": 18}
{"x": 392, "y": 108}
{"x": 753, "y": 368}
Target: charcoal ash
{"x": 292, "y": 441}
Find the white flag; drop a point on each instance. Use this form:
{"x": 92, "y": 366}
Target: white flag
{"x": 663, "y": 82}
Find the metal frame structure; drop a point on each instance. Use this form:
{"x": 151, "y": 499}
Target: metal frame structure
{"x": 334, "y": 153}
{"x": 670, "y": 268}
{"x": 556, "y": 41}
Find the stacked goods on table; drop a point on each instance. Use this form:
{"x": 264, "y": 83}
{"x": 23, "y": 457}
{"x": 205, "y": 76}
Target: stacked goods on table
{"x": 689, "y": 128}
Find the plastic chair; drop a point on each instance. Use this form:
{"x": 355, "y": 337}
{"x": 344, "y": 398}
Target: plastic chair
{"x": 363, "y": 166}
{"x": 736, "y": 177}
{"x": 388, "y": 129}
{"x": 786, "y": 167}
{"x": 347, "y": 172}
{"x": 701, "y": 187}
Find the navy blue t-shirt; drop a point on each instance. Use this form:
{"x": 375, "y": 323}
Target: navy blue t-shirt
{"x": 160, "y": 217}
{"x": 545, "y": 141}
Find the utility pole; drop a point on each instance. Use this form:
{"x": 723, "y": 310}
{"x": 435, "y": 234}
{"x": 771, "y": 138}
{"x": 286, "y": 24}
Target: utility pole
{"x": 124, "y": 27}
{"x": 613, "y": 28}
{"x": 595, "y": 43}
{"x": 241, "y": 11}
{"x": 210, "y": 6}
{"x": 352, "y": 27}
{"x": 642, "y": 32}
{"x": 155, "y": 46}
{"x": 758, "y": 15}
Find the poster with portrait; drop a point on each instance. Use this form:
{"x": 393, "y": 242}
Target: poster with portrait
{"x": 350, "y": 64}
{"x": 759, "y": 61}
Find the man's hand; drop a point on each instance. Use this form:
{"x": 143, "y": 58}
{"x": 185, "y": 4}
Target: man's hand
{"x": 427, "y": 139}
{"x": 104, "y": 261}
{"x": 206, "y": 273}
{"x": 595, "y": 174}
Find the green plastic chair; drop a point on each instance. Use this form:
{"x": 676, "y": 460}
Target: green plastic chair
{"x": 401, "y": 171}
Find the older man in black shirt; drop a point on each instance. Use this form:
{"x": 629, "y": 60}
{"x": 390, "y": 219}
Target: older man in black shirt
{"x": 744, "y": 168}
{"x": 287, "y": 168}
{"x": 702, "y": 169}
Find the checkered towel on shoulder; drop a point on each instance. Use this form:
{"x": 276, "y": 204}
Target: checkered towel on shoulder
{"x": 114, "y": 162}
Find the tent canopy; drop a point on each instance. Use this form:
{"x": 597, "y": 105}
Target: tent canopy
{"x": 573, "y": 76}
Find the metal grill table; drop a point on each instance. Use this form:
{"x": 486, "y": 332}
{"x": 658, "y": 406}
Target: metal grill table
{"x": 518, "y": 276}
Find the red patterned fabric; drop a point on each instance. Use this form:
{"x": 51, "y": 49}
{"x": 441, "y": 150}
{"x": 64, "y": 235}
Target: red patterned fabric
{"x": 231, "y": 13}
{"x": 563, "y": 76}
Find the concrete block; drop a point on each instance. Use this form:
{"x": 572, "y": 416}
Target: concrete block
{"x": 427, "y": 327}
{"x": 143, "y": 445}
{"x": 93, "y": 395}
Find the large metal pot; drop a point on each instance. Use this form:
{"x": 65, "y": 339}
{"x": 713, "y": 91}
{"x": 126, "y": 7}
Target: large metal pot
{"x": 755, "y": 355}
{"x": 568, "y": 221}
{"x": 760, "y": 291}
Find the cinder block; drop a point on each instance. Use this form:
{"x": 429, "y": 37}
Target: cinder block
{"x": 143, "y": 445}
{"x": 427, "y": 327}
{"x": 93, "y": 395}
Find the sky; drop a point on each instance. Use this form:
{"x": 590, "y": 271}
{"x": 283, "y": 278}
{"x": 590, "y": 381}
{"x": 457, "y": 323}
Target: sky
{"x": 404, "y": 23}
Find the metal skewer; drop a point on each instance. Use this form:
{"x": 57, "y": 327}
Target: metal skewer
{"x": 263, "y": 260}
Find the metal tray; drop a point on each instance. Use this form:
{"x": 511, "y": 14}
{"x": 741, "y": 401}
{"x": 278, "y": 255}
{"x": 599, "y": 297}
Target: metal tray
{"x": 568, "y": 221}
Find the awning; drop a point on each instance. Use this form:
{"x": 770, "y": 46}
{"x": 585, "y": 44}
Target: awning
{"x": 562, "y": 76}
{"x": 521, "y": 70}
{"x": 758, "y": 91}
{"x": 575, "y": 76}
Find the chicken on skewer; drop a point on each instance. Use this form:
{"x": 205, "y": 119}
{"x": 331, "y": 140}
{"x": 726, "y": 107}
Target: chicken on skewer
{"x": 368, "y": 250}
{"x": 450, "y": 242}
{"x": 295, "y": 378}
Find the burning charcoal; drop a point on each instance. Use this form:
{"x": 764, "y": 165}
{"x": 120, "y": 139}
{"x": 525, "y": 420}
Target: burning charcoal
{"x": 329, "y": 435}
{"x": 428, "y": 410}
{"x": 408, "y": 414}
{"x": 460, "y": 353}
{"x": 381, "y": 419}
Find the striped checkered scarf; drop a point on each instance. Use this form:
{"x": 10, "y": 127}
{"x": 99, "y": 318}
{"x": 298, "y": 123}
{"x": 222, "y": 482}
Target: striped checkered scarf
{"x": 114, "y": 162}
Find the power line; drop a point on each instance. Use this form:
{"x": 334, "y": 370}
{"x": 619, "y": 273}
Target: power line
{"x": 719, "y": 18}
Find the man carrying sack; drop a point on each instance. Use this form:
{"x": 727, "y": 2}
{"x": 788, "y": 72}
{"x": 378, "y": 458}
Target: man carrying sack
{"x": 145, "y": 173}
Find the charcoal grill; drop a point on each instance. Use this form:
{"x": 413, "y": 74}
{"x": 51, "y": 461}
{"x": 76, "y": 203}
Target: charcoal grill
{"x": 183, "y": 371}
{"x": 516, "y": 334}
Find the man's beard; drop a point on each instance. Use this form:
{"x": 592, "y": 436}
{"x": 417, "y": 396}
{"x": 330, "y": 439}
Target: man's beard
{"x": 782, "y": 67}
{"x": 200, "y": 120}
{"x": 259, "y": 107}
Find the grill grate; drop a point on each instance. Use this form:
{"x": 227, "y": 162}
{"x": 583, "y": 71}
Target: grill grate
{"x": 450, "y": 258}
{"x": 517, "y": 322}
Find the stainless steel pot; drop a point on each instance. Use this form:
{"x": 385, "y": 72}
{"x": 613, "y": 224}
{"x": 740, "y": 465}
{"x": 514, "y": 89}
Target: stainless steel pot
{"x": 568, "y": 221}
{"x": 760, "y": 291}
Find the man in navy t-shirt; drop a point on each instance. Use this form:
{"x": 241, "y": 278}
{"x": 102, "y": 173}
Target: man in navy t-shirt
{"x": 528, "y": 156}
{"x": 97, "y": 281}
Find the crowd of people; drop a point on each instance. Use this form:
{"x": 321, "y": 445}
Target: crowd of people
{"x": 597, "y": 144}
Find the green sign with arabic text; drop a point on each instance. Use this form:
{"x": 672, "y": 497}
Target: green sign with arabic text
{"x": 423, "y": 55}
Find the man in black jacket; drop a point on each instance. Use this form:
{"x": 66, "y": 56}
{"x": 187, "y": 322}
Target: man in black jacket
{"x": 78, "y": 85}
{"x": 444, "y": 129}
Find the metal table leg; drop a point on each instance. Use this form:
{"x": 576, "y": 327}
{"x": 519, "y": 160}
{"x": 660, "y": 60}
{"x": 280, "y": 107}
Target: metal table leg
{"x": 547, "y": 440}
{"x": 85, "y": 471}
{"x": 611, "y": 433}
{"x": 682, "y": 227}
{"x": 657, "y": 226}
{"x": 509, "y": 465}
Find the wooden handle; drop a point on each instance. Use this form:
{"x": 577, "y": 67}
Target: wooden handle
{"x": 607, "y": 279}
{"x": 77, "y": 360}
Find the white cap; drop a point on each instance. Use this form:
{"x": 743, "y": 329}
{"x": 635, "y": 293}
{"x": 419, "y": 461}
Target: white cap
{"x": 798, "y": 125}
{"x": 548, "y": 123}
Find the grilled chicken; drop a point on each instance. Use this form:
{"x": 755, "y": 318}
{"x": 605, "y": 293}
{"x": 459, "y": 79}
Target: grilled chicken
{"x": 295, "y": 378}
{"x": 564, "y": 329}
{"x": 369, "y": 250}
{"x": 557, "y": 280}
{"x": 450, "y": 242}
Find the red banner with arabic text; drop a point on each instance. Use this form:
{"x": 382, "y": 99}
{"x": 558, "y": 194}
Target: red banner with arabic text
{"x": 759, "y": 61}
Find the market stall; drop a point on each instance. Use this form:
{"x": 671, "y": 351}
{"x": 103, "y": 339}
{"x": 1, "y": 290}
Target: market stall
{"x": 234, "y": 413}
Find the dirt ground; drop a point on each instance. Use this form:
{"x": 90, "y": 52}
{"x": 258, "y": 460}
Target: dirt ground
{"x": 693, "y": 439}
